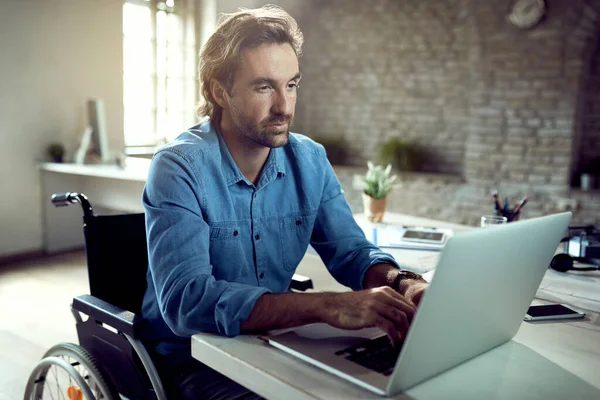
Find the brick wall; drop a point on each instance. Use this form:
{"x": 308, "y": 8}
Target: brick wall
{"x": 524, "y": 97}
{"x": 493, "y": 105}
{"x": 589, "y": 143}
{"x": 381, "y": 69}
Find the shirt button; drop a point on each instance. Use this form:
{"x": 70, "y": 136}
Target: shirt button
{"x": 235, "y": 233}
{"x": 262, "y": 275}
{"x": 257, "y": 236}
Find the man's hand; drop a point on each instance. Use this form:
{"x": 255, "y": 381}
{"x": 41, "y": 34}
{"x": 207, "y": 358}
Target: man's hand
{"x": 386, "y": 275}
{"x": 413, "y": 290}
{"x": 382, "y": 307}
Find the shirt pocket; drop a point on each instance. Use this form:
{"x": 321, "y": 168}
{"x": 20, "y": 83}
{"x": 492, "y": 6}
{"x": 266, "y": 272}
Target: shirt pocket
{"x": 224, "y": 233}
{"x": 226, "y": 245}
{"x": 295, "y": 238}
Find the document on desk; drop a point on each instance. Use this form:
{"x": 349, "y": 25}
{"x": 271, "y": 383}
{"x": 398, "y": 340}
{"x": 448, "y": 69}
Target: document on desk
{"x": 418, "y": 261}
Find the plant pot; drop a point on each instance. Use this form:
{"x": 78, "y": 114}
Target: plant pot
{"x": 586, "y": 181}
{"x": 374, "y": 208}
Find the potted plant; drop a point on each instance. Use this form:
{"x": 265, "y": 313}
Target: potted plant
{"x": 403, "y": 153}
{"x": 56, "y": 152}
{"x": 376, "y": 184}
{"x": 336, "y": 148}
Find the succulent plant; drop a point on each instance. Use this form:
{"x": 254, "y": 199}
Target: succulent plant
{"x": 377, "y": 182}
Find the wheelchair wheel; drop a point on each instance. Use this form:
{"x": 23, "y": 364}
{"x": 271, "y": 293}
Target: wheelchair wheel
{"x": 68, "y": 371}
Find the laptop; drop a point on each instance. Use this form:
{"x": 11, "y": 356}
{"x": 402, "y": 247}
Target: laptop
{"x": 483, "y": 285}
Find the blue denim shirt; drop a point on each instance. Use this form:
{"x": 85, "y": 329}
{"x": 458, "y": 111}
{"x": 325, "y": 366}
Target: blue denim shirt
{"x": 217, "y": 242}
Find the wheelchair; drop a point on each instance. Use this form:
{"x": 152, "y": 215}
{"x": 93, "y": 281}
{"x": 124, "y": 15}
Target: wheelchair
{"x": 111, "y": 360}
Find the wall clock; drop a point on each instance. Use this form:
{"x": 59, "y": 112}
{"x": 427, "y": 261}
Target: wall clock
{"x": 525, "y": 14}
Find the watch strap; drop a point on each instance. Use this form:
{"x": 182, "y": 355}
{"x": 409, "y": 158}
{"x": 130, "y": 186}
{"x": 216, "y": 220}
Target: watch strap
{"x": 402, "y": 275}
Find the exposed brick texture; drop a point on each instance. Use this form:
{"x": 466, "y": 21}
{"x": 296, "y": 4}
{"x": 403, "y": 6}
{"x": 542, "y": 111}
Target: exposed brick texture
{"x": 590, "y": 109}
{"x": 496, "y": 106}
{"x": 381, "y": 69}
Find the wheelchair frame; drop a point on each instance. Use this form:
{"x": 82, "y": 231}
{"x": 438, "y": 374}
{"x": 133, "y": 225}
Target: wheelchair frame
{"x": 108, "y": 328}
{"x": 111, "y": 334}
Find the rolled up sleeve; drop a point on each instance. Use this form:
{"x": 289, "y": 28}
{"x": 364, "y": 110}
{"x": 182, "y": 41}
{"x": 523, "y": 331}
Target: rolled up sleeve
{"x": 339, "y": 241}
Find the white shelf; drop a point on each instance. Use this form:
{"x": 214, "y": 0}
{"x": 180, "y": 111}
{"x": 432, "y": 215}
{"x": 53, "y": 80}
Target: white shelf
{"x": 136, "y": 169}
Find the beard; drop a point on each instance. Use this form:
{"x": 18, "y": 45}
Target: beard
{"x": 263, "y": 134}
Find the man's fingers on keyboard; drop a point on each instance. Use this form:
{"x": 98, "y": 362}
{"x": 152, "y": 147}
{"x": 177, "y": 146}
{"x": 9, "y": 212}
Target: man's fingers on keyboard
{"x": 401, "y": 305}
{"x": 398, "y": 317}
{"x": 389, "y": 328}
{"x": 401, "y": 323}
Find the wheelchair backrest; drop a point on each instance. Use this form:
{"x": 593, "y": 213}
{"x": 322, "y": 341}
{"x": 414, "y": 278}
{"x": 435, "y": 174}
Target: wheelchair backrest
{"x": 117, "y": 258}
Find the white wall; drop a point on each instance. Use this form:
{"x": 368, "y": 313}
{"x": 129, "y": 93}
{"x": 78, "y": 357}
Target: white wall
{"x": 54, "y": 55}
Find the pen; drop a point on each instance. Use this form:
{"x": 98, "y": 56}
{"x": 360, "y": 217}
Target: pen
{"x": 520, "y": 205}
{"x": 497, "y": 202}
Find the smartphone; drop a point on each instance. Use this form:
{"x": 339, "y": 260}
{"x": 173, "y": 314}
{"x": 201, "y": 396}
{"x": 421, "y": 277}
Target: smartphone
{"x": 550, "y": 312}
{"x": 424, "y": 236}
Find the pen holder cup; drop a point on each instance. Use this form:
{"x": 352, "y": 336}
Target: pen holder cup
{"x": 511, "y": 216}
{"x": 492, "y": 220}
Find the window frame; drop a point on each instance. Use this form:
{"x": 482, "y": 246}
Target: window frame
{"x": 189, "y": 45}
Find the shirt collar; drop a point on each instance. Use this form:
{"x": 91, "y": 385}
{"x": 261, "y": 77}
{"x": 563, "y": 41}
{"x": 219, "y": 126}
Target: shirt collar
{"x": 274, "y": 166}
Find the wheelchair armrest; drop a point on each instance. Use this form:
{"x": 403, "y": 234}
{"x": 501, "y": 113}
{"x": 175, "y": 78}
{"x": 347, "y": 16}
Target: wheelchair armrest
{"x": 301, "y": 283}
{"x": 121, "y": 320}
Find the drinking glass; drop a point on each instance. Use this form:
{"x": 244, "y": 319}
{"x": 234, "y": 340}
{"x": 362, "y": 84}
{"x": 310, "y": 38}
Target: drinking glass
{"x": 491, "y": 220}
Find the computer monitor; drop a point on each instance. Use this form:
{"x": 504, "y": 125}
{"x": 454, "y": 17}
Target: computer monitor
{"x": 94, "y": 141}
{"x": 97, "y": 121}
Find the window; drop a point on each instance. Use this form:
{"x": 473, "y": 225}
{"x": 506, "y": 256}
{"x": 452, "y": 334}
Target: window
{"x": 159, "y": 70}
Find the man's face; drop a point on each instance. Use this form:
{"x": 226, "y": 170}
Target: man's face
{"x": 263, "y": 96}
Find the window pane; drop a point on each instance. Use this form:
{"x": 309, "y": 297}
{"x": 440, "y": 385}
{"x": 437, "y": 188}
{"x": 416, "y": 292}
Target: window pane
{"x": 175, "y": 29}
{"x": 137, "y": 21}
{"x": 161, "y": 44}
{"x": 175, "y": 94}
{"x": 138, "y": 56}
{"x": 139, "y": 126}
{"x": 190, "y": 63}
{"x": 138, "y": 89}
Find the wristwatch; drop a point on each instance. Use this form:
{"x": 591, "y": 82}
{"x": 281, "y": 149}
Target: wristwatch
{"x": 403, "y": 274}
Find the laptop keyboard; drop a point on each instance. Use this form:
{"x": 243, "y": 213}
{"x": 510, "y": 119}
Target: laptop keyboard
{"x": 376, "y": 354}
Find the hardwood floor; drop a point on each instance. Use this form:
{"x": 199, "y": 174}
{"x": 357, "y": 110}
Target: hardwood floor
{"x": 35, "y": 298}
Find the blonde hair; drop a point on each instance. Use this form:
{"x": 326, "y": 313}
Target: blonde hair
{"x": 244, "y": 29}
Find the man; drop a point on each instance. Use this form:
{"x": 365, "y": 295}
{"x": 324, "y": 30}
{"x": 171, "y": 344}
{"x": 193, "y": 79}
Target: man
{"x": 233, "y": 203}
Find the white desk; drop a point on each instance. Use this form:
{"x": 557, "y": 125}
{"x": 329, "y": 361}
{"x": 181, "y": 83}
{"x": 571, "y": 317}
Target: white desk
{"x": 108, "y": 187}
{"x": 551, "y": 360}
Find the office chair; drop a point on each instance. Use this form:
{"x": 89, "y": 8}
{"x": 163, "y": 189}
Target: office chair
{"x": 111, "y": 357}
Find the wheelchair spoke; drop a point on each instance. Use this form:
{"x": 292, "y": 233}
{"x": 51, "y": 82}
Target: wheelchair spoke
{"x": 62, "y": 388}
{"x": 82, "y": 370}
{"x": 55, "y": 380}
